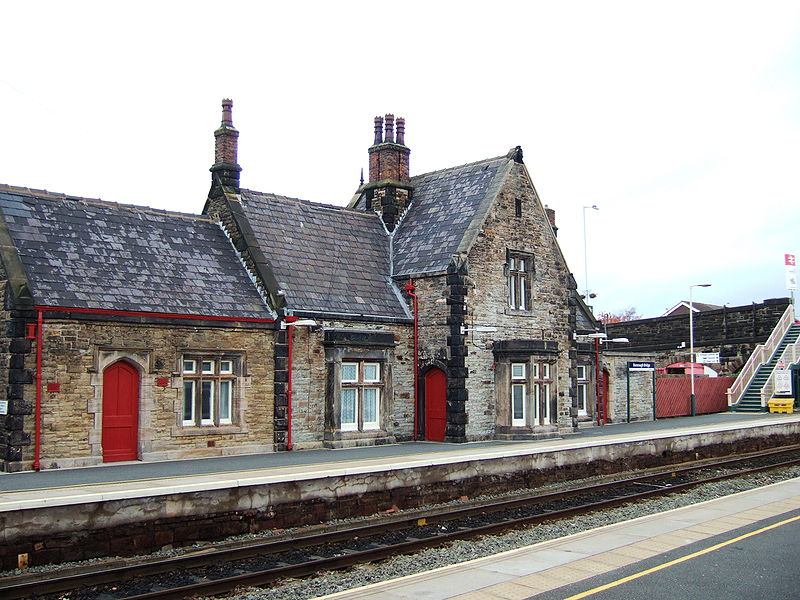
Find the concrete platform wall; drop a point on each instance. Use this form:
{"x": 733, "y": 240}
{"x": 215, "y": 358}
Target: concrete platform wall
{"x": 126, "y": 526}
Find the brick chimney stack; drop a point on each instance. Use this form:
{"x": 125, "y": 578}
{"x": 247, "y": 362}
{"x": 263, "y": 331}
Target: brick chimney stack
{"x": 551, "y": 216}
{"x": 388, "y": 156}
{"x": 389, "y": 188}
{"x": 226, "y": 169}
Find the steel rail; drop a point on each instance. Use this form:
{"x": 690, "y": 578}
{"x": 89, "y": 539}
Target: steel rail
{"x": 42, "y": 586}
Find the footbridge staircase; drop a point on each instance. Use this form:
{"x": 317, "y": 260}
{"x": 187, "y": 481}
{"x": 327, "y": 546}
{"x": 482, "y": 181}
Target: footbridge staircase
{"x": 755, "y": 384}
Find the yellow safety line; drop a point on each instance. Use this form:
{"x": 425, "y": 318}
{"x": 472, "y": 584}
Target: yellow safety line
{"x": 614, "y": 584}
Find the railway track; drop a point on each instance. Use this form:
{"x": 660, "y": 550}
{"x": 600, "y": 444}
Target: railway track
{"x": 219, "y": 571}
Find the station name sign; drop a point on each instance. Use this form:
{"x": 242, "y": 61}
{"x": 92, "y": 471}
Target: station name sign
{"x": 641, "y": 366}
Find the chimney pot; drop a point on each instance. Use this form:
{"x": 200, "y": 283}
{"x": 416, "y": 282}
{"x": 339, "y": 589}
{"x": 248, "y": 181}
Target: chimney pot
{"x": 226, "y": 148}
{"x": 389, "y": 136}
{"x": 378, "y": 130}
{"x": 227, "y": 113}
{"x": 401, "y": 131}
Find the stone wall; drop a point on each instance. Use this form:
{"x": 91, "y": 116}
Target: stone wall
{"x": 137, "y": 525}
{"x": 75, "y": 353}
{"x": 547, "y": 320}
{"x": 311, "y": 382}
{"x": 641, "y": 387}
{"x": 16, "y": 374}
{"x": 732, "y": 331}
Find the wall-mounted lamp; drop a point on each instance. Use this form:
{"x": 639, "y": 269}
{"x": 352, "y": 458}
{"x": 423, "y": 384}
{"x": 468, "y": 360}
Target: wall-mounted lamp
{"x": 305, "y": 323}
{"x": 302, "y": 323}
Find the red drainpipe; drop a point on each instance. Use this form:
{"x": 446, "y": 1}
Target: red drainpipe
{"x": 599, "y": 409}
{"x": 410, "y": 289}
{"x": 38, "y": 410}
{"x": 289, "y": 335}
{"x": 40, "y": 310}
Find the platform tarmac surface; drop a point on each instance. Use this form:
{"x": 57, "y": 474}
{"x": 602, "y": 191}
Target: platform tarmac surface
{"x": 315, "y": 462}
{"x": 675, "y": 554}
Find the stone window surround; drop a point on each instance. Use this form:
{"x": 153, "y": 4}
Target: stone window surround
{"x": 217, "y": 375}
{"x": 343, "y": 346}
{"x": 239, "y": 399}
{"x": 519, "y": 284}
{"x": 530, "y": 352}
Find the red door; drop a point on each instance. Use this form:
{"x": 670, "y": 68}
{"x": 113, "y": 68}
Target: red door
{"x": 120, "y": 412}
{"x": 435, "y": 405}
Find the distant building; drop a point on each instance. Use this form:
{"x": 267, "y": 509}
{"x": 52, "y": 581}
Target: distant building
{"x": 682, "y": 308}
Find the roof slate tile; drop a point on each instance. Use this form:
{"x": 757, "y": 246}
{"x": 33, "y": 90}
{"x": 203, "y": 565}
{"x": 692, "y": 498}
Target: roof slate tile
{"x": 325, "y": 256}
{"x": 82, "y": 253}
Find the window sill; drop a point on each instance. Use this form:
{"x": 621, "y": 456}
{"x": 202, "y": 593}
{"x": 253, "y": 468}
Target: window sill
{"x": 190, "y": 431}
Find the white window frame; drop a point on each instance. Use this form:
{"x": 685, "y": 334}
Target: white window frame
{"x": 348, "y": 425}
{"x": 519, "y": 384}
{"x": 546, "y": 389}
{"x": 361, "y": 386}
{"x": 582, "y": 369}
{"x": 207, "y": 378}
{"x": 225, "y": 410}
{"x": 520, "y": 268}
{"x": 376, "y": 422}
{"x": 211, "y": 387}
{"x": 190, "y": 384}
{"x": 583, "y": 390}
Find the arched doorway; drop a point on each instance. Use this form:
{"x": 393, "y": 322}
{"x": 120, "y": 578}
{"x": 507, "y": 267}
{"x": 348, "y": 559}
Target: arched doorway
{"x": 120, "y": 412}
{"x": 435, "y": 405}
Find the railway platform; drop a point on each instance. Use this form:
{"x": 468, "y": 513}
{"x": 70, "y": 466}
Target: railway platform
{"x": 630, "y": 559}
{"x": 68, "y": 514}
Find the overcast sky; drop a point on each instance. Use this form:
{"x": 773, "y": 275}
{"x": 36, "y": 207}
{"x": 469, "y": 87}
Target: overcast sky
{"x": 679, "y": 120}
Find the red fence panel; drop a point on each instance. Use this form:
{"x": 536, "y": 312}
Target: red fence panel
{"x": 673, "y": 395}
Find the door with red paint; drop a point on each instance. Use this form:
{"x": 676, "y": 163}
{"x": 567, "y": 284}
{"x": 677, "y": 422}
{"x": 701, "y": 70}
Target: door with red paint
{"x": 435, "y": 405}
{"x": 120, "y": 412}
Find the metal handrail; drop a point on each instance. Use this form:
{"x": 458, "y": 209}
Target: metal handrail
{"x": 788, "y": 357}
{"x": 760, "y": 355}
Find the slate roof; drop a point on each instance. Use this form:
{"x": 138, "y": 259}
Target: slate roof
{"x": 446, "y": 213}
{"x": 326, "y": 258}
{"x": 682, "y": 308}
{"x": 84, "y": 253}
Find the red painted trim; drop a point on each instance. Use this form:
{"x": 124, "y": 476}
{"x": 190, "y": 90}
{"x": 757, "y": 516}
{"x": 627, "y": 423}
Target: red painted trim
{"x": 598, "y": 409}
{"x": 289, "y": 335}
{"x": 136, "y": 313}
{"x": 38, "y": 410}
{"x": 410, "y": 289}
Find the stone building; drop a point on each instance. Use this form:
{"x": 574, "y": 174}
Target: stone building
{"x": 435, "y": 306}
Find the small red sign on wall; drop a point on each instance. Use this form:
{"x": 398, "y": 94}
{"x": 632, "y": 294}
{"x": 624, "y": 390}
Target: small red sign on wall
{"x": 162, "y": 381}
{"x": 53, "y": 387}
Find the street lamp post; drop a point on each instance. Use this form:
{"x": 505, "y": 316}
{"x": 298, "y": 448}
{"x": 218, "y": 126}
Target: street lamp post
{"x": 691, "y": 343}
{"x": 586, "y": 255}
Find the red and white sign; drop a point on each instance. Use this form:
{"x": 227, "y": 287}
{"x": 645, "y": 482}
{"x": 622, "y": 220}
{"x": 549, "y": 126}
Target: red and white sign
{"x": 791, "y": 273}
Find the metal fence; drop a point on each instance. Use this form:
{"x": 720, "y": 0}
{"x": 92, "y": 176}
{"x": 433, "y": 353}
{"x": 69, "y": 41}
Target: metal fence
{"x": 673, "y": 395}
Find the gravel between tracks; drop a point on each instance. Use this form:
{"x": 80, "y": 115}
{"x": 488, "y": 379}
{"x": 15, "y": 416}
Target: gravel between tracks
{"x": 401, "y": 566}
